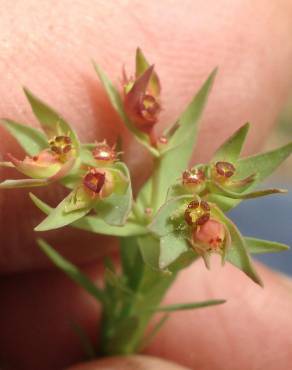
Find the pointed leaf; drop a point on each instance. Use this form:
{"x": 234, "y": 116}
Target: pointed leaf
{"x": 32, "y": 141}
{"x": 259, "y": 246}
{"x": 72, "y": 271}
{"x": 230, "y": 150}
{"x": 118, "y": 105}
{"x": 95, "y": 224}
{"x": 60, "y": 216}
{"x": 188, "y": 306}
{"x": 141, "y": 66}
{"x": 217, "y": 188}
{"x": 24, "y": 183}
{"x": 53, "y": 124}
{"x": 187, "y": 123}
{"x": 263, "y": 164}
{"x": 172, "y": 247}
{"x": 237, "y": 253}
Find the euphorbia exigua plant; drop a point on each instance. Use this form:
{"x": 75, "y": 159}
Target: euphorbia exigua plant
{"x": 177, "y": 217}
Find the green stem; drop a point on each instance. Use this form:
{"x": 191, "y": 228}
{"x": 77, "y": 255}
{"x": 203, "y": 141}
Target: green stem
{"x": 155, "y": 184}
{"x": 123, "y": 332}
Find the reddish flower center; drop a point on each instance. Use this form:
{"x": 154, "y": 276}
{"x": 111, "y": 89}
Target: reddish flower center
{"x": 94, "y": 181}
{"x": 224, "y": 169}
{"x": 61, "y": 145}
{"x": 195, "y": 177}
{"x": 149, "y": 108}
{"x": 197, "y": 213}
{"x": 104, "y": 152}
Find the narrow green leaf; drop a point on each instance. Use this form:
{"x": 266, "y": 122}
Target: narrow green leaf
{"x": 187, "y": 129}
{"x": 118, "y": 105}
{"x": 72, "y": 271}
{"x": 217, "y": 188}
{"x": 237, "y": 253}
{"x": 188, "y": 306}
{"x": 171, "y": 248}
{"x": 259, "y": 246}
{"x": 94, "y": 224}
{"x": 263, "y": 164}
{"x": 53, "y": 124}
{"x": 59, "y": 217}
{"x": 24, "y": 183}
{"x": 31, "y": 140}
{"x": 230, "y": 150}
{"x": 178, "y": 152}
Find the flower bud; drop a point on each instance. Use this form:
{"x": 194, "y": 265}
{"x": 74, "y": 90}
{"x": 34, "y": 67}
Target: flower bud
{"x": 194, "y": 180}
{"x": 141, "y": 102}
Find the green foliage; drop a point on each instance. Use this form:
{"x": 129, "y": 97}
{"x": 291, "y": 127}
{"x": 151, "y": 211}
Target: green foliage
{"x": 31, "y": 140}
{"x": 157, "y": 237}
{"x": 72, "y": 271}
{"x": 176, "y": 154}
{"x": 52, "y": 123}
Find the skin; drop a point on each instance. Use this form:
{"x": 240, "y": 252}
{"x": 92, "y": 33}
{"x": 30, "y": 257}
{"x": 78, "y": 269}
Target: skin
{"x": 47, "y": 46}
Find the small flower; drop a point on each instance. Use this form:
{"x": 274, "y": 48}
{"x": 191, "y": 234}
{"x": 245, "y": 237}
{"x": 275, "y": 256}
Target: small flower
{"x": 142, "y": 104}
{"x": 194, "y": 180}
{"x": 197, "y": 213}
{"x": 62, "y": 146}
{"x": 104, "y": 154}
{"x": 98, "y": 183}
{"x": 222, "y": 173}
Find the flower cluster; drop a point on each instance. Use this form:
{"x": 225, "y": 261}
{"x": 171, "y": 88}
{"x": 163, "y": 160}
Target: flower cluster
{"x": 177, "y": 216}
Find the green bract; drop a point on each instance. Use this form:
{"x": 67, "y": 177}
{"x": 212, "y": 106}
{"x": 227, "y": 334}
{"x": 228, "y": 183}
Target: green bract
{"x": 177, "y": 217}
